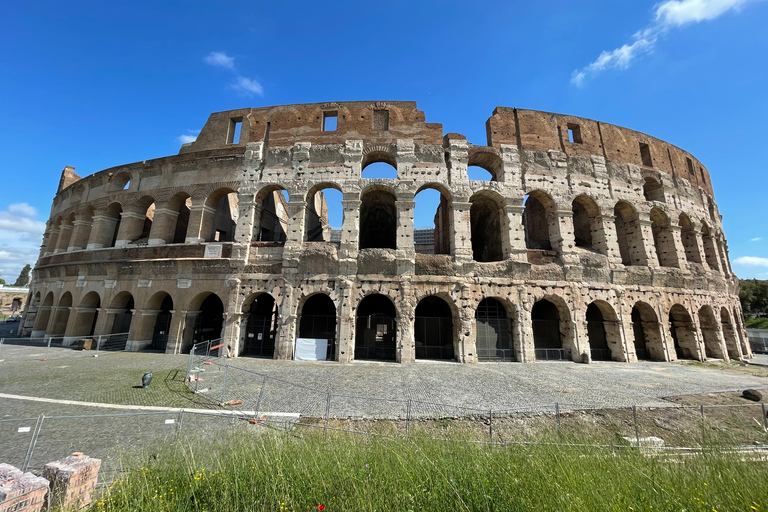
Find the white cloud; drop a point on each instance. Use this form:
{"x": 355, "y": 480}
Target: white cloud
{"x": 751, "y": 261}
{"x": 220, "y": 59}
{"x": 189, "y": 137}
{"x": 756, "y": 239}
{"x": 669, "y": 14}
{"x": 23, "y": 209}
{"x": 248, "y": 86}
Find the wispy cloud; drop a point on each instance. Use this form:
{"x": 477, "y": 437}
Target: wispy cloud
{"x": 23, "y": 209}
{"x": 20, "y": 237}
{"x": 751, "y": 261}
{"x": 190, "y": 136}
{"x": 220, "y": 59}
{"x": 669, "y": 14}
{"x": 756, "y": 239}
{"x": 248, "y": 86}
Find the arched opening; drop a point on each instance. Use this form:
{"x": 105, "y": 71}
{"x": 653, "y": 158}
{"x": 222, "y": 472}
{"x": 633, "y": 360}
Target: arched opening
{"x": 587, "y": 227}
{"x": 536, "y": 221}
{"x": 433, "y": 221}
{"x": 729, "y": 333}
{"x": 261, "y": 327}
{"x": 547, "y": 338}
{"x": 663, "y": 240}
{"x": 628, "y": 234}
{"x": 62, "y": 315}
{"x": 209, "y": 319}
{"x": 122, "y": 181}
{"x": 123, "y": 303}
{"x": 485, "y": 165}
{"x": 597, "y": 334}
{"x": 318, "y": 322}
{"x": 485, "y": 228}
{"x": 493, "y": 332}
{"x": 653, "y": 190}
{"x": 219, "y": 226}
{"x": 738, "y": 323}
{"x": 44, "y": 313}
{"x": 87, "y": 315}
{"x": 375, "y": 333}
{"x": 433, "y": 329}
{"x": 710, "y": 253}
{"x": 112, "y": 219}
{"x": 65, "y": 233}
{"x": 379, "y": 165}
{"x": 324, "y": 214}
{"x": 688, "y": 237}
{"x": 140, "y": 234}
{"x": 162, "y": 327}
{"x": 53, "y": 235}
{"x": 273, "y": 215}
{"x": 378, "y": 219}
{"x": 647, "y": 333}
{"x": 683, "y": 333}
{"x": 181, "y": 204}
{"x": 708, "y": 324}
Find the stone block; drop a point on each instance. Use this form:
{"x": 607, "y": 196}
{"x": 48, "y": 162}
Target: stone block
{"x": 21, "y": 492}
{"x": 72, "y": 480}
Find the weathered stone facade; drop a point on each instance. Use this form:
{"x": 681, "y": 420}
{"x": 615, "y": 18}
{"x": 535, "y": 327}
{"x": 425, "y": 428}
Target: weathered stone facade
{"x": 590, "y": 241}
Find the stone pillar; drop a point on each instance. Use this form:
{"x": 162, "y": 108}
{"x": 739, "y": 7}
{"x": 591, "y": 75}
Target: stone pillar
{"x": 406, "y": 252}
{"x": 710, "y": 254}
{"x": 44, "y": 245}
{"x": 466, "y": 330}
{"x": 561, "y": 235}
{"x": 525, "y": 349}
{"x": 81, "y": 233}
{"x": 230, "y": 334}
{"x": 186, "y": 336}
{"x": 461, "y": 237}
{"x": 406, "y": 316}
{"x": 53, "y": 237}
{"x": 102, "y": 230}
{"x": 677, "y": 239}
{"x": 514, "y": 246}
{"x": 284, "y": 344}
{"x": 350, "y": 234}
{"x": 131, "y": 224}
{"x": 693, "y": 247}
{"x": 294, "y": 235}
{"x": 644, "y": 253}
{"x": 458, "y": 156}
{"x": 511, "y": 168}
{"x": 163, "y": 225}
{"x": 245, "y": 225}
{"x": 142, "y": 329}
{"x": 176, "y": 331}
{"x": 65, "y": 235}
{"x": 724, "y": 263}
{"x": 608, "y": 244}
{"x": 197, "y": 211}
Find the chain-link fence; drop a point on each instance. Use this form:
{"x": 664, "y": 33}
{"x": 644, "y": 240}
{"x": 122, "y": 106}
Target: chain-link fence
{"x": 60, "y": 346}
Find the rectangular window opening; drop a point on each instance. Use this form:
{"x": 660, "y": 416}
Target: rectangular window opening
{"x": 701, "y": 171}
{"x": 381, "y": 120}
{"x": 235, "y": 126}
{"x": 330, "y": 121}
{"x": 574, "y": 133}
{"x": 645, "y": 154}
{"x": 690, "y": 165}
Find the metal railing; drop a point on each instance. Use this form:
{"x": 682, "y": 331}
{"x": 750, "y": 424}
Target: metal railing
{"x": 85, "y": 345}
{"x": 552, "y": 354}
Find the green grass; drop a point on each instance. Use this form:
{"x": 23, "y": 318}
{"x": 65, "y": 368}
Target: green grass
{"x": 300, "y": 471}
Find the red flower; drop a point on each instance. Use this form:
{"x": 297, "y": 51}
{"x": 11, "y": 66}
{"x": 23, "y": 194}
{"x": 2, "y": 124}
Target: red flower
{"x": 321, "y": 507}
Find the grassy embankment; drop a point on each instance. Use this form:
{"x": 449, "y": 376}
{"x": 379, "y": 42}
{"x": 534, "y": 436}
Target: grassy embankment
{"x": 302, "y": 471}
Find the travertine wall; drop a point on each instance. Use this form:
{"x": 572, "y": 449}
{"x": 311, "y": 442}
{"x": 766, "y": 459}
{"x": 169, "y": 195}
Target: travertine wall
{"x": 656, "y": 245}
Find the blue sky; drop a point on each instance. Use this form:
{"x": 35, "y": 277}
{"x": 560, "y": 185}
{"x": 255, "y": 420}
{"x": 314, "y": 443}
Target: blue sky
{"x": 97, "y": 84}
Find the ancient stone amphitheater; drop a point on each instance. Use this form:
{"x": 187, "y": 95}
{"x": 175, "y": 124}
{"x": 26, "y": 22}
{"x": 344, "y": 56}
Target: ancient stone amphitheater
{"x": 588, "y": 242}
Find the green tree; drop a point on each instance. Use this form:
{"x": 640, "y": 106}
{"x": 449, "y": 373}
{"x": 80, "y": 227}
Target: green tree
{"x": 754, "y": 297}
{"x": 23, "y": 279}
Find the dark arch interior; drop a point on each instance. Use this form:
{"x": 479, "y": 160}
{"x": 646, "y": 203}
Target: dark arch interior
{"x": 274, "y": 217}
{"x": 536, "y": 225}
{"x": 318, "y": 321}
{"x": 598, "y": 342}
{"x": 375, "y": 334}
{"x": 378, "y": 221}
{"x": 493, "y": 332}
{"x": 582, "y": 228}
{"x": 223, "y": 229}
{"x": 433, "y": 329}
{"x": 209, "y": 320}
{"x": 652, "y": 190}
{"x": 261, "y": 327}
{"x": 485, "y": 230}
{"x": 162, "y": 325}
{"x": 641, "y": 348}
{"x": 547, "y": 339}
{"x": 681, "y": 329}
{"x": 122, "y": 321}
{"x": 622, "y": 235}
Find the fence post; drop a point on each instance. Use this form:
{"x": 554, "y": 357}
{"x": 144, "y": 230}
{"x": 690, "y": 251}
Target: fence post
{"x": 490, "y": 430}
{"x": 98, "y": 346}
{"x": 327, "y": 414}
{"x": 637, "y": 429}
{"x": 557, "y": 419}
{"x": 261, "y": 394}
{"x": 178, "y": 423}
{"x": 765, "y": 418}
{"x": 408, "y": 419}
{"x": 47, "y": 348}
{"x": 33, "y": 442}
{"x": 189, "y": 361}
{"x": 224, "y": 384}
{"x": 703, "y": 427}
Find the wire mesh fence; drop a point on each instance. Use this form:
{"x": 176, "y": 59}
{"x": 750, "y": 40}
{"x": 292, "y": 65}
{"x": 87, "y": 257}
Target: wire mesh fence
{"x": 60, "y": 346}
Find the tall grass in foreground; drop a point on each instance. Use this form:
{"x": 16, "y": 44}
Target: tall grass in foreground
{"x": 283, "y": 472}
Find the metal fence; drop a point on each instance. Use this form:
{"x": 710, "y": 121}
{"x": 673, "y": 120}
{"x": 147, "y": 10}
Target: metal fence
{"x": 758, "y": 340}
{"x": 82, "y": 345}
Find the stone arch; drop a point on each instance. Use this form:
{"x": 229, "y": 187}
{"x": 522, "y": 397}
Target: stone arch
{"x": 604, "y": 332}
{"x": 376, "y": 328}
{"x": 434, "y": 333}
{"x": 44, "y": 313}
{"x": 628, "y": 234}
{"x": 652, "y": 189}
{"x": 122, "y": 307}
{"x": 552, "y": 331}
{"x": 494, "y": 330}
{"x": 171, "y": 222}
{"x": 261, "y": 320}
{"x": 318, "y": 320}
{"x": 61, "y": 316}
{"x": 317, "y": 225}
{"x": 710, "y": 333}
{"x": 378, "y": 218}
{"x": 486, "y": 226}
{"x": 157, "y": 327}
{"x": 683, "y": 333}
{"x": 663, "y": 239}
{"x": 219, "y": 217}
{"x": 649, "y": 345}
{"x": 382, "y": 160}
{"x": 729, "y": 334}
{"x": 86, "y": 315}
{"x": 120, "y": 181}
{"x": 208, "y": 310}
{"x": 271, "y": 220}
{"x": 136, "y": 222}
{"x": 688, "y": 237}
{"x": 65, "y": 233}
{"x": 708, "y": 241}
{"x": 113, "y": 217}
{"x": 488, "y": 159}
{"x": 587, "y": 224}
{"x": 442, "y": 232}
{"x": 540, "y": 221}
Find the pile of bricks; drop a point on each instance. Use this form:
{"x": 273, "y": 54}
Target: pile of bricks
{"x": 70, "y": 481}
{"x": 21, "y": 492}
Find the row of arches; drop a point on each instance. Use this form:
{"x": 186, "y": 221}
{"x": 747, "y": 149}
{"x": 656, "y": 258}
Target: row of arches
{"x": 435, "y": 325}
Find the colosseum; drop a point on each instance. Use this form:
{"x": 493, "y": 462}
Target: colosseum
{"x": 588, "y": 241}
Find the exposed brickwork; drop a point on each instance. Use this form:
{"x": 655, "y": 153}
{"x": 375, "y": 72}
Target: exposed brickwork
{"x": 21, "y": 492}
{"x": 73, "y": 480}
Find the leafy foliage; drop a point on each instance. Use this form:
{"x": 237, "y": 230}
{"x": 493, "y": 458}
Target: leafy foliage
{"x": 23, "y": 279}
{"x": 754, "y": 297}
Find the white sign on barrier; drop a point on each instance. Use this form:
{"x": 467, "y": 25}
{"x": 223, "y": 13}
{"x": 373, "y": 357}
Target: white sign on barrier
{"x": 170, "y": 421}
{"x": 24, "y": 429}
{"x": 310, "y": 349}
